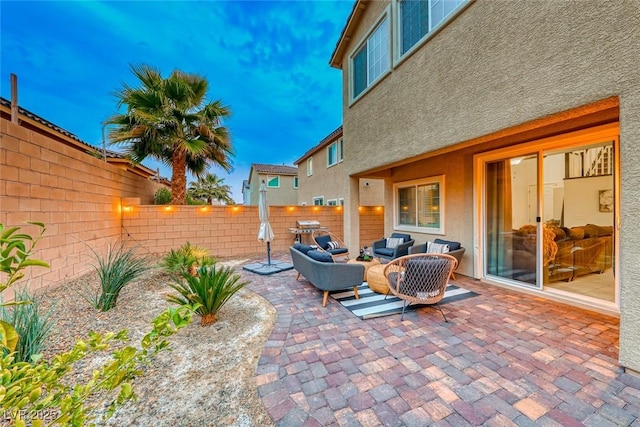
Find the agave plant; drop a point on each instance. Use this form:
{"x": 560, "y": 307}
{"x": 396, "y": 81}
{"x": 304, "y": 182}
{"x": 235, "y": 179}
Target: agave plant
{"x": 209, "y": 290}
{"x": 186, "y": 259}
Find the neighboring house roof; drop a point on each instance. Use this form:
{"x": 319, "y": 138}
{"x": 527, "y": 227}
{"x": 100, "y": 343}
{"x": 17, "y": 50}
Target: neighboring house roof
{"x": 38, "y": 124}
{"x": 275, "y": 169}
{"x": 359, "y": 7}
{"x": 325, "y": 141}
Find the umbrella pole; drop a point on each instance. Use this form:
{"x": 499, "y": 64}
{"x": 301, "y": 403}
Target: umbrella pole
{"x": 268, "y": 253}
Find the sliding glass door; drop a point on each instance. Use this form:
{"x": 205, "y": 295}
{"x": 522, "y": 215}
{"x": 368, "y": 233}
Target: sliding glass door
{"x": 510, "y": 219}
{"x": 547, "y": 216}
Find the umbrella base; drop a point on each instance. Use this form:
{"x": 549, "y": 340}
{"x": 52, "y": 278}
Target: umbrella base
{"x": 265, "y": 268}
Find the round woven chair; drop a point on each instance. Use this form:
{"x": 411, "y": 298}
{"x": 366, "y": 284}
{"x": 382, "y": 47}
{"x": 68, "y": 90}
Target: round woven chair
{"x": 420, "y": 278}
{"x": 329, "y": 242}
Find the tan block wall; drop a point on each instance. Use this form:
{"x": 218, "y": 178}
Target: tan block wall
{"x": 371, "y": 224}
{"x": 227, "y": 231}
{"x": 76, "y": 195}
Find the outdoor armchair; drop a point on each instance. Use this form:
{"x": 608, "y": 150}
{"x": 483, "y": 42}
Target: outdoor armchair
{"x": 420, "y": 278}
{"x": 454, "y": 249}
{"x": 329, "y": 242}
{"x": 392, "y": 247}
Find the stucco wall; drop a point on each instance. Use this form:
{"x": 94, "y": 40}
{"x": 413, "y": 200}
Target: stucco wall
{"x": 76, "y": 195}
{"x": 500, "y": 64}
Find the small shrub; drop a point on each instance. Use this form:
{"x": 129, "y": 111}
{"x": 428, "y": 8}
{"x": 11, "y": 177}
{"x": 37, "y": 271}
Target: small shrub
{"x": 120, "y": 267}
{"x": 46, "y": 393}
{"x": 209, "y": 290}
{"x": 186, "y": 259}
{"x": 162, "y": 196}
{"x": 32, "y": 325}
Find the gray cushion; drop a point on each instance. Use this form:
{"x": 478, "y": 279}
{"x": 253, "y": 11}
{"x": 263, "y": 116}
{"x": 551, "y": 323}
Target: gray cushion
{"x": 453, "y": 246}
{"x": 385, "y": 251}
{"x": 338, "y": 251}
{"x": 320, "y": 256}
{"x": 302, "y": 247}
{"x": 323, "y": 241}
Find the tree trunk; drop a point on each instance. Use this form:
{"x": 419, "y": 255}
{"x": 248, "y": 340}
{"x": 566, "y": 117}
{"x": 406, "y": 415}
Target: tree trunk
{"x": 179, "y": 178}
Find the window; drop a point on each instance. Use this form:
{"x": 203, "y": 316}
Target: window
{"x": 310, "y": 166}
{"x": 420, "y": 205}
{"x": 341, "y": 201}
{"x": 273, "y": 181}
{"x": 340, "y": 150}
{"x": 417, "y": 18}
{"x": 332, "y": 202}
{"x": 295, "y": 182}
{"x": 371, "y": 59}
{"x": 318, "y": 201}
{"x": 332, "y": 154}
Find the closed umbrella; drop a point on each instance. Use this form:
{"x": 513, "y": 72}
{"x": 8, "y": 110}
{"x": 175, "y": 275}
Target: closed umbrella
{"x": 265, "y": 234}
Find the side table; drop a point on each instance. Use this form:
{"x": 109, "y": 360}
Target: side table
{"x": 377, "y": 281}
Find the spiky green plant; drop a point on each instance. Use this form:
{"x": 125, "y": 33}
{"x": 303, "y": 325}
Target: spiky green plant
{"x": 31, "y": 322}
{"x": 210, "y": 289}
{"x": 186, "y": 259}
{"x": 119, "y": 267}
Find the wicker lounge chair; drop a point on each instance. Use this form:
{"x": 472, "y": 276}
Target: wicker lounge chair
{"x": 420, "y": 278}
{"x": 329, "y": 242}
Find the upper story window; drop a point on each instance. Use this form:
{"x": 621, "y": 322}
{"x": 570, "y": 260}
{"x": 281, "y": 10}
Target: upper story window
{"x": 318, "y": 201}
{"x": 418, "y": 18}
{"x": 371, "y": 59}
{"x": 332, "y": 202}
{"x": 340, "y": 150}
{"x": 273, "y": 181}
{"x": 295, "y": 182}
{"x": 420, "y": 205}
{"x": 332, "y": 154}
{"x": 310, "y": 166}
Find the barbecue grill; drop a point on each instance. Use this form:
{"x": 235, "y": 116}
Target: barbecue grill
{"x": 305, "y": 227}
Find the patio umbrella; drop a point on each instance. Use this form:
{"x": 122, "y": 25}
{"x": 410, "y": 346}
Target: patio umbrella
{"x": 265, "y": 234}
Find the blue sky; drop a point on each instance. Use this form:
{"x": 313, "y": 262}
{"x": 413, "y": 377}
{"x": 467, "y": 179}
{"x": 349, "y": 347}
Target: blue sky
{"x": 267, "y": 60}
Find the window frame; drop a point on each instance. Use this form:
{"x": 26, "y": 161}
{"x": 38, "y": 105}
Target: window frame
{"x": 310, "y": 166}
{"x": 296, "y": 182}
{"x": 363, "y": 44}
{"x": 398, "y": 56}
{"x": 340, "y": 150}
{"x": 438, "y": 179}
{"x": 270, "y": 178}
{"x": 318, "y": 198}
{"x": 341, "y": 201}
{"x": 332, "y": 202}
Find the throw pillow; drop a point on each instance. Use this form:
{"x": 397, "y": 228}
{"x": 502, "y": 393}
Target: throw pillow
{"x": 320, "y": 256}
{"x": 437, "y": 248}
{"x": 394, "y": 242}
{"x": 333, "y": 245}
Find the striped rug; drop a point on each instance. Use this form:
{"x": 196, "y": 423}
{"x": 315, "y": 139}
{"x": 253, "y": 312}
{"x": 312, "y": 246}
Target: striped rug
{"x": 371, "y": 304}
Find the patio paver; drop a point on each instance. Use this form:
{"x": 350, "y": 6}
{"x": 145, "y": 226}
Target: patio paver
{"x": 504, "y": 358}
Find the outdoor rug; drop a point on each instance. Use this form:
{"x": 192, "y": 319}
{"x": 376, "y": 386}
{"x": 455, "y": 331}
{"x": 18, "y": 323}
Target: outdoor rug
{"x": 371, "y": 304}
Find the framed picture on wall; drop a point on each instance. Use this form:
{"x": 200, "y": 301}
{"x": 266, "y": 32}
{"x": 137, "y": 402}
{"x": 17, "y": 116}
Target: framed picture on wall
{"x": 605, "y": 200}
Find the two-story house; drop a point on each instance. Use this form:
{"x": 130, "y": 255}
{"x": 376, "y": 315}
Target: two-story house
{"x": 323, "y": 177}
{"x": 511, "y": 127}
{"x": 281, "y": 180}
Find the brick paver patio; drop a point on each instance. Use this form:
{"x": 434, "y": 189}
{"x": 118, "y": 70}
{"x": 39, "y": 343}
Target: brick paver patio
{"x": 503, "y": 359}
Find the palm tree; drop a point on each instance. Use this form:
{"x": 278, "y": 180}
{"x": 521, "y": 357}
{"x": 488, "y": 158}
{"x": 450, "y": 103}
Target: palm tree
{"x": 209, "y": 188}
{"x": 169, "y": 120}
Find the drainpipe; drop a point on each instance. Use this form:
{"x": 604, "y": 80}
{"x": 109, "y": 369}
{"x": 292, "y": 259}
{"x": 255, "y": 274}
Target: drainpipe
{"x": 14, "y": 99}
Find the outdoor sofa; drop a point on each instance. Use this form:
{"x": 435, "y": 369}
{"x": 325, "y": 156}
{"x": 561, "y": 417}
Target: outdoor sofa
{"x": 319, "y": 269}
